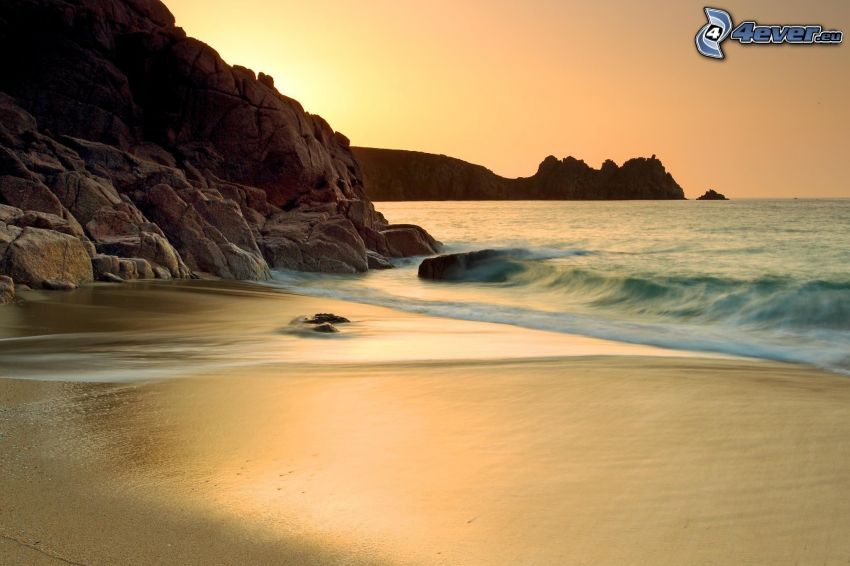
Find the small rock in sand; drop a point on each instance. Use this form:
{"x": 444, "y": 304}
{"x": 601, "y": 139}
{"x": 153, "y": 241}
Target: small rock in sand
{"x": 326, "y": 327}
{"x": 323, "y": 317}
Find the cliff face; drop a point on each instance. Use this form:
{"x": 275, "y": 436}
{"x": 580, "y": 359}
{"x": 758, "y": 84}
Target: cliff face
{"x": 395, "y": 174}
{"x": 148, "y": 146}
{"x": 407, "y": 175}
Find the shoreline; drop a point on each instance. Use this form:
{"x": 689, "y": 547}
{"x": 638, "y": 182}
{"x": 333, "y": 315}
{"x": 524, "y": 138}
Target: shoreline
{"x": 153, "y": 330}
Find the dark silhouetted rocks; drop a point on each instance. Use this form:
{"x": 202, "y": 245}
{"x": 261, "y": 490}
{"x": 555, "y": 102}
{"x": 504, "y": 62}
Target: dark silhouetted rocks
{"x": 123, "y": 134}
{"x": 711, "y": 194}
{"x": 455, "y": 266}
{"x": 393, "y": 175}
{"x": 324, "y": 317}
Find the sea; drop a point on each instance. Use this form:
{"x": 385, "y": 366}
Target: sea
{"x": 756, "y": 278}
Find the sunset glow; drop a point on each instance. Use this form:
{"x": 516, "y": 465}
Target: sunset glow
{"x": 504, "y": 84}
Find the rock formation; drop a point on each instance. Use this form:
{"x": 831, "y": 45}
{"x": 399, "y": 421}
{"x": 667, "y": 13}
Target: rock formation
{"x": 711, "y": 194}
{"x": 129, "y": 150}
{"x": 457, "y": 266}
{"x": 391, "y": 175}
{"x": 7, "y": 290}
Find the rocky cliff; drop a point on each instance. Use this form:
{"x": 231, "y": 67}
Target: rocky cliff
{"x": 409, "y": 175}
{"x": 128, "y": 149}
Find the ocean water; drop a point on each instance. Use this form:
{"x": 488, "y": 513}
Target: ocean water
{"x": 758, "y": 278}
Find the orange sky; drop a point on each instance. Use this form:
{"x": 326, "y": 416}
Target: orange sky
{"x": 506, "y": 83}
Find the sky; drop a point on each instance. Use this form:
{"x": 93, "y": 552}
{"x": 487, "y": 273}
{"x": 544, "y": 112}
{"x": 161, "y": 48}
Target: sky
{"x": 506, "y": 83}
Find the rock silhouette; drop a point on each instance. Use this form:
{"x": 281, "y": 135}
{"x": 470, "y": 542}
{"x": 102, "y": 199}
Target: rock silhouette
{"x": 455, "y": 267}
{"x": 161, "y": 160}
{"x": 711, "y": 194}
{"x": 393, "y": 175}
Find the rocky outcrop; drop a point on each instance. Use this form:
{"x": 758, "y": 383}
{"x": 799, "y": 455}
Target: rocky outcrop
{"x": 711, "y": 194}
{"x": 323, "y": 323}
{"x": 393, "y": 175}
{"x": 141, "y": 144}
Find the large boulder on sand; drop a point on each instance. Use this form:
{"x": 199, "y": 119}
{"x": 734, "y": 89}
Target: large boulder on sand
{"x": 41, "y": 258}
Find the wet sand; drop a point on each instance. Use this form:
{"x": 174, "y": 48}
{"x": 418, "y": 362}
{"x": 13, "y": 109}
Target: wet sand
{"x": 587, "y": 459}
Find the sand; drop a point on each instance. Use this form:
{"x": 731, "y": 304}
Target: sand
{"x": 584, "y": 459}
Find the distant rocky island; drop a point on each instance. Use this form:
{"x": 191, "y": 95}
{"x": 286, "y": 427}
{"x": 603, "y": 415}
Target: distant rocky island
{"x": 129, "y": 150}
{"x": 398, "y": 175}
{"x": 711, "y": 194}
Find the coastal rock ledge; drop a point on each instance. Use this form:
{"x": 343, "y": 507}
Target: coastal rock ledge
{"x": 129, "y": 150}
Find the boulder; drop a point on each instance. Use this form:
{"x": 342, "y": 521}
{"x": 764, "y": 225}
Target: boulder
{"x": 110, "y": 278}
{"x": 226, "y": 216}
{"x": 58, "y": 285}
{"x": 46, "y": 259}
{"x": 103, "y": 264}
{"x": 8, "y": 234}
{"x": 146, "y": 245}
{"x": 403, "y": 240}
{"x": 457, "y": 266}
{"x": 28, "y": 194}
{"x": 143, "y": 268}
{"x": 8, "y": 213}
{"x": 84, "y": 194}
{"x": 127, "y": 269}
{"x": 48, "y": 221}
{"x": 203, "y": 247}
{"x": 161, "y": 273}
{"x": 7, "y": 290}
{"x": 314, "y": 243}
{"x": 376, "y": 261}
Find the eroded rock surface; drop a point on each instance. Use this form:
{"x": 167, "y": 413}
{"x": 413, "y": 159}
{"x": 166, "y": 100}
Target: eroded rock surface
{"x": 120, "y": 132}
{"x": 7, "y": 290}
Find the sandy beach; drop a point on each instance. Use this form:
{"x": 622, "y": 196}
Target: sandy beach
{"x": 424, "y": 284}
{"x": 624, "y": 457}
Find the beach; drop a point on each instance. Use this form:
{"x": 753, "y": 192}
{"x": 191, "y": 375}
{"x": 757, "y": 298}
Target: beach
{"x": 611, "y": 454}
{"x": 323, "y": 283}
